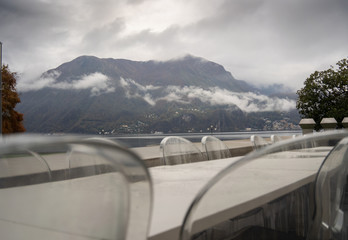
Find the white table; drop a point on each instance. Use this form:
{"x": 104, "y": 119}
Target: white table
{"x": 175, "y": 188}
{"x": 57, "y": 219}
{"x": 256, "y": 184}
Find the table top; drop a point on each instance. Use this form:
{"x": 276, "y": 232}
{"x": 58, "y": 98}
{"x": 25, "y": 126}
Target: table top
{"x": 57, "y": 219}
{"x": 175, "y": 187}
{"x": 254, "y": 184}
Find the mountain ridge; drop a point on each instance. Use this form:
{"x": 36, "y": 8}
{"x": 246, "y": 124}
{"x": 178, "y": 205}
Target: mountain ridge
{"x": 90, "y": 93}
{"x": 189, "y": 70}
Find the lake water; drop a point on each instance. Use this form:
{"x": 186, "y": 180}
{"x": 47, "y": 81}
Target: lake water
{"x": 142, "y": 140}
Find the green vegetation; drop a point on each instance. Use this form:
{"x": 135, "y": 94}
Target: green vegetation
{"x": 325, "y": 94}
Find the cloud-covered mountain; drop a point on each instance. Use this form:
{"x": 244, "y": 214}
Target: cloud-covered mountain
{"x": 90, "y": 93}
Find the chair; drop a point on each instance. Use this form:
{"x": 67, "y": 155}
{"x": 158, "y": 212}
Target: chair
{"x": 296, "y": 135}
{"x": 331, "y": 196}
{"x": 285, "y": 215}
{"x": 275, "y": 138}
{"x": 72, "y": 187}
{"x": 178, "y": 150}
{"x": 215, "y": 148}
{"x": 258, "y": 142}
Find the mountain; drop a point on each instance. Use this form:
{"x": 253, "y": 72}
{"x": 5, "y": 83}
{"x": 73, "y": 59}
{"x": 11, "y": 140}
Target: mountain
{"x": 187, "y": 71}
{"x": 90, "y": 95}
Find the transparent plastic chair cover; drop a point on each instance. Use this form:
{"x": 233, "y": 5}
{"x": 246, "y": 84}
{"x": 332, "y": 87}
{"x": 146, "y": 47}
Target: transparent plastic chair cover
{"x": 258, "y": 142}
{"x": 215, "y": 148}
{"x": 178, "y": 150}
{"x": 275, "y": 138}
{"x": 331, "y": 200}
{"x": 72, "y": 188}
{"x": 222, "y": 200}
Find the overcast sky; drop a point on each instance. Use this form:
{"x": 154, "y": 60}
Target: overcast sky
{"x": 260, "y": 41}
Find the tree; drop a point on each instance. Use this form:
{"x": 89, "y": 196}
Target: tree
{"x": 11, "y": 119}
{"x": 325, "y": 94}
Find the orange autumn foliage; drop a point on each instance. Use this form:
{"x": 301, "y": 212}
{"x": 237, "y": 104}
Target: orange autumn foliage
{"x": 11, "y": 119}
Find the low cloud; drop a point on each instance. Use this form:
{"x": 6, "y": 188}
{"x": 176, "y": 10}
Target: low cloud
{"x": 134, "y": 89}
{"x": 246, "y": 101}
{"x": 126, "y": 83}
{"x": 48, "y": 80}
{"x": 98, "y": 83}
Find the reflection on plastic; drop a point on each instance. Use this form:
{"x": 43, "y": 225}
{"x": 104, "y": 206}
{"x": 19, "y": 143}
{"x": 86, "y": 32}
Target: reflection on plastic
{"x": 72, "y": 188}
{"x": 290, "y": 215}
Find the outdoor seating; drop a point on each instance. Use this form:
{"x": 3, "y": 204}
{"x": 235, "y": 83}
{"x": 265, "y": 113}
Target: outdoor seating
{"x": 258, "y": 142}
{"x": 215, "y": 148}
{"x": 178, "y": 150}
{"x": 286, "y": 217}
{"x": 331, "y": 196}
{"x": 275, "y": 138}
{"x": 72, "y": 188}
